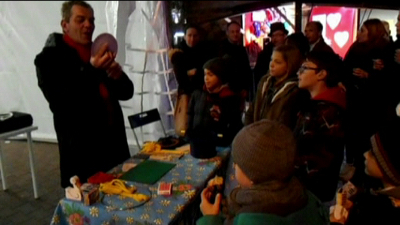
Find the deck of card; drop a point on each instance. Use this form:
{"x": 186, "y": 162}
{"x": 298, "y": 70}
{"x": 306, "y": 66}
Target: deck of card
{"x": 164, "y": 188}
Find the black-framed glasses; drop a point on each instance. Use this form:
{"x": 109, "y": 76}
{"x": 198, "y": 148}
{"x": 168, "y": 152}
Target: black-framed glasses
{"x": 304, "y": 68}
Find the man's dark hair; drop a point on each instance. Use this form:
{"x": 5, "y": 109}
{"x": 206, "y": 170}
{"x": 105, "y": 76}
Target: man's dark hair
{"x": 193, "y": 26}
{"x": 67, "y": 7}
{"x": 318, "y": 25}
{"x": 232, "y": 22}
{"x": 330, "y": 62}
{"x": 300, "y": 41}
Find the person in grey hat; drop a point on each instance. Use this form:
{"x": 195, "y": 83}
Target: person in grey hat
{"x": 263, "y": 155}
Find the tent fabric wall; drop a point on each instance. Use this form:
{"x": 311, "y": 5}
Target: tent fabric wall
{"x": 200, "y": 12}
{"x": 24, "y": 27}
{"x": 147, "y": 64}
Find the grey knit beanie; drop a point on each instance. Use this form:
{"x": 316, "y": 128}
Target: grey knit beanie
{"x": 265, "y": 151}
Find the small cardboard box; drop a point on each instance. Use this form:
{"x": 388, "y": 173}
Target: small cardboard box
{"x": 90, "y": 193}
{"x": 164, "y": 188}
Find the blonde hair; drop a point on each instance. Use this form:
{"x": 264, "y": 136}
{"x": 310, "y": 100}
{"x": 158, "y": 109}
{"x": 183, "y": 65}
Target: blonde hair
{"x": 292, "y": 57}
{"x": 377, "y": 34}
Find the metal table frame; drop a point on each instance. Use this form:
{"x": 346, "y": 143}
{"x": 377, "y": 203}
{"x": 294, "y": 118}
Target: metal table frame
{"x": 4, "y": 136}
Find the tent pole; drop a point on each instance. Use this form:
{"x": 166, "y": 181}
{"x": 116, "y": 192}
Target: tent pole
{"x": 298, "y": 16}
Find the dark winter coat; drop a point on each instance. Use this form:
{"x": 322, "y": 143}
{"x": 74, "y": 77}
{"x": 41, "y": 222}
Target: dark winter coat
{"x": 187, "y": 59}
{"x": 320, "y": 136}
{"x": 322, "y": 46}
{"x": 217, "y": 113}
{"x": 375, "y": 207}
{"x": 241, "y": 75}
{"x": 90, "y": 133}
{"x": 278, "y": 104}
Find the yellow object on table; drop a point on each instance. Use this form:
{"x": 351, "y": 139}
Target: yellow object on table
{"x": 151, "y": 147}
{"x": 118, "y": 187}
{"x": 155, "y": 148}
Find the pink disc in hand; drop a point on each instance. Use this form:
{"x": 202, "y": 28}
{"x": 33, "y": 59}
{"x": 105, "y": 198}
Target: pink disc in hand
{"x": 101, "y": 40}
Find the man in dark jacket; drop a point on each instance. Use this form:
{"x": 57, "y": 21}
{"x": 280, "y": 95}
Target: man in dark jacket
{"x": 397, "y": 43}
{"x": 188, "y": 59}
{"x": 240, "y": 74}
{"x": 83, "y": 92}
{"x": 313, "y": 33}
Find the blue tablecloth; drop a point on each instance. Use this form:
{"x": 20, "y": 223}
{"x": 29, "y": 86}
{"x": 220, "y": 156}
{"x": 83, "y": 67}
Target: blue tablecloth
{"x": 230, "y": 181}
{"x": 159, "y": 210}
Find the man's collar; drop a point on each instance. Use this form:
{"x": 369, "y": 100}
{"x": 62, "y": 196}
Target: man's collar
{"x": 230, "y": 42}
{"x": 315, "y": 43}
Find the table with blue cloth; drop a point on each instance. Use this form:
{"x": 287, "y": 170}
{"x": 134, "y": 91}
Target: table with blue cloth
{"x": 189, "y": 174}
{"x": 229, "y": 177}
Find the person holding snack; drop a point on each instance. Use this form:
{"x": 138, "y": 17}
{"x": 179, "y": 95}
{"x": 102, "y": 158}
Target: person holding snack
{"x": 83, "y": 90}
{"x": 269, "y": 193}
{"x": 379, "y": 204}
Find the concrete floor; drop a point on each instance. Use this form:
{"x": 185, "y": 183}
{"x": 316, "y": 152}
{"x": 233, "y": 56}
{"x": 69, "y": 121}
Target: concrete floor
{"x": 17, "y": 204}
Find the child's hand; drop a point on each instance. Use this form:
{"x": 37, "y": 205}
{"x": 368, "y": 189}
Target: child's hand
{"x": 338, "y": 214}
{"x": 206, "y": 207}
{"x": 360, "y": 73}
{"x": 191, "y": 72}
{"x": 378, "y": 64}
{"x": 397, "y": 56}
{"x": 341, "y": 85}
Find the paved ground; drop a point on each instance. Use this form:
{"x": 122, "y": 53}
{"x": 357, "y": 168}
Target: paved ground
{"x": 17, "y": 204}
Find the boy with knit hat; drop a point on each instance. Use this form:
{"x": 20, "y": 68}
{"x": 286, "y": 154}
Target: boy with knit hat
{"x": 379, "y": 205}
{"x": 215, "y": 110}
{"x": 263, "y": 155}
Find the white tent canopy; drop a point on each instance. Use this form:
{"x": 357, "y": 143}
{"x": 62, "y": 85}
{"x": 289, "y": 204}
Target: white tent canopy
{"x": 140, "y": 29}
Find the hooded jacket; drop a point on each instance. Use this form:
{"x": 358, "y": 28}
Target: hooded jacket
{"x": 278, "y": 104}
{"x": 320, "y": 135}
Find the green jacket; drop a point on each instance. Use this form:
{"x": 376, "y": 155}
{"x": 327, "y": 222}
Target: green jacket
{"x": 314, "y": 213}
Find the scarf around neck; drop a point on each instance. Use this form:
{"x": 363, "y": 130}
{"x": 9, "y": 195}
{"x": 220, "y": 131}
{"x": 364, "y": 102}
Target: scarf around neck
{"x": 84, "y": 51}
{"x": 274, "y": 197}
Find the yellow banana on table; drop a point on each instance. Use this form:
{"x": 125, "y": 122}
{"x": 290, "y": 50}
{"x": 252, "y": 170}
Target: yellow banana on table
{"x": 152, "y": 147}
{"x": 118, "y": 187}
